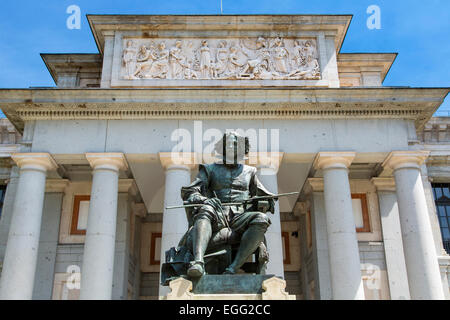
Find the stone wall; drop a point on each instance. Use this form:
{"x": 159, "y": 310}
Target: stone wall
{"x": 8, "y": 134}
{"x": 149, "y": 286}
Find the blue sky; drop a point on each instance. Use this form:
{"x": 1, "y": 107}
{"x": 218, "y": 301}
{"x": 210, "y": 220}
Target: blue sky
{"x": 418, "y": 30}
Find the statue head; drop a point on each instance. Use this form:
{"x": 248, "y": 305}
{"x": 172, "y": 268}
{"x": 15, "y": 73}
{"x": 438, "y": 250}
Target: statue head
{"x": 278, "y": 41}
{"x": 232, "y": 147}
{"x": 142, "y": 49}
{"x": 261, "y": 42}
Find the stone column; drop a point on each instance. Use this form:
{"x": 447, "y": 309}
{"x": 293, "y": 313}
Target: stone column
{"x": 19, "y": 266}
{"x": 420, "y": 253}
{"x": 392, "y": 239}
{"x": 99, "y": 245}
{"x": 178, "y": 168}
{"x": 268, "y": 165}
{"x": 313, "y": 190}
{"x": 301, "y": 210}
{"x": 343, "y": 249}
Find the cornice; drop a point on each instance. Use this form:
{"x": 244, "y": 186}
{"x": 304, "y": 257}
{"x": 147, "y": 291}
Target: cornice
{"x": 209, "y": 24}
{"x": 416, "y": 104}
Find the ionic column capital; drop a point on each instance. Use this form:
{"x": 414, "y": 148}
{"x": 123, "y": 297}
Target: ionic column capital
{"x": 178, "y": 160}
{"x": 38, "y": 161}
{"x": 405, "y": 159}
{"x": 333, "y": 160}
{"x": 313, "y": 185}
{"x": 384, "y": 184}
{"x": 109, "y": 160}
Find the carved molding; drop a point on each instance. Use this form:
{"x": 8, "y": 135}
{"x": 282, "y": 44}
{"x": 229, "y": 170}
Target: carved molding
{"x": 213, "y": 113}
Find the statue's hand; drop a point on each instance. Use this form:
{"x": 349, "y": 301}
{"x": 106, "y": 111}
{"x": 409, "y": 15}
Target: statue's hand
{"x": 197, "y": 199}
{"x": 272, "y": 205}
{"x": 213, "y": 202}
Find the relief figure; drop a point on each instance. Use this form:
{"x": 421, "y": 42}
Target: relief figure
{"x": 160, "y": 66}
{"x": 129, "y": 60}
{"x": 205, "y": 60}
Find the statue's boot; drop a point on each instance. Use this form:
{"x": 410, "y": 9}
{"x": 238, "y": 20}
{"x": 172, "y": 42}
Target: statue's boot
{"x": 250, "y": 241}
{"x": 196, "y": 269}
{"x": 202, "y": 235}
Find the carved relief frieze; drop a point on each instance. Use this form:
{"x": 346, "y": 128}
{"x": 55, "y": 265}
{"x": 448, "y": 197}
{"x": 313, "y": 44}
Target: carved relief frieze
{"x": 220, "y": 59}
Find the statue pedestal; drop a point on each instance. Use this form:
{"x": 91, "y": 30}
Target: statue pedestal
{"x": 229, "y": 287}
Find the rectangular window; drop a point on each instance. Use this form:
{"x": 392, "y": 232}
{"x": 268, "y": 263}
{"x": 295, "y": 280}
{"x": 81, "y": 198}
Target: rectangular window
{"x": 286, "y": 251}
{"x": 361, "y": 212}
{"x": 80, "y": 214}
{"x": 155, "y": 248}
{"x": 441, "y": 192}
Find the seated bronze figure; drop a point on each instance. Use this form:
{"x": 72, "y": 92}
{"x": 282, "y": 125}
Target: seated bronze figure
{"x": 221, "y": 238}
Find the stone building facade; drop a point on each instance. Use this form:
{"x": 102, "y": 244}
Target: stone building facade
{"x": 89, "y": 166}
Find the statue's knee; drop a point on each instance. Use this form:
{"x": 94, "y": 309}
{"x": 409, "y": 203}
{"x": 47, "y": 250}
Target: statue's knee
{"x": 261, "y": 222}
{"x": 202, "y": 218}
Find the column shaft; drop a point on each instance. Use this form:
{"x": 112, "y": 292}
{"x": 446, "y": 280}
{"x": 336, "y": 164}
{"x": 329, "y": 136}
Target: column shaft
{"x": 19, "y": 265}
{"x": 175, "y": 222}
{"x": 273, "y": 234}
{"x": 98, "y": 257}
{"x": 343, "y": 249}
{"x": 392, "y": 239}
{"x": 420, "y": 253}
{"x": 342, "y": 241}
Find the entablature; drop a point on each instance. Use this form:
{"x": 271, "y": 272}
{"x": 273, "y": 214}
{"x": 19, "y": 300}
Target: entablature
{"x": 22, "y": 105}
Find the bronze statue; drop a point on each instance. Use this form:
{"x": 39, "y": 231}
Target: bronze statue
{"x": 226, "y": 222}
